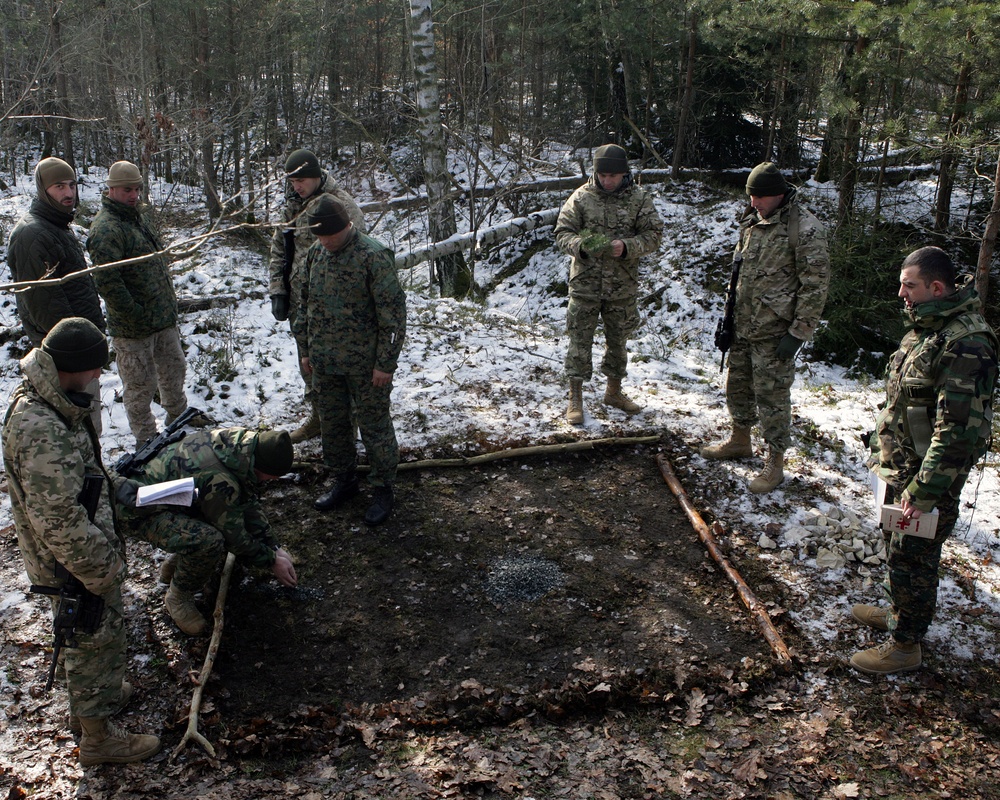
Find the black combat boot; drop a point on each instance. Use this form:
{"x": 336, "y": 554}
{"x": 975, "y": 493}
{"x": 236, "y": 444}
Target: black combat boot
{"x": 344, "y": 488}
{"x": 381, "y": 507}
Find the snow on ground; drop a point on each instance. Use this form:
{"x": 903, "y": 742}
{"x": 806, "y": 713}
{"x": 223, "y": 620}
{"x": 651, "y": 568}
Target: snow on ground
{"x": 484, "y": 375}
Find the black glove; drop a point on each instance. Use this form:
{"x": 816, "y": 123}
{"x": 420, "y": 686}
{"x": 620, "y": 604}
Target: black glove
{"x": 126, "y": 492}
{"x": 279, "y": 307}
{"x": 788, "y": 347}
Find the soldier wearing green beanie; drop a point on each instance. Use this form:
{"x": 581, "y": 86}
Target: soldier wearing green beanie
{"x": 784, "y": 272}
{"x": 43, "y": 244}
{"x": 307, "y": 183}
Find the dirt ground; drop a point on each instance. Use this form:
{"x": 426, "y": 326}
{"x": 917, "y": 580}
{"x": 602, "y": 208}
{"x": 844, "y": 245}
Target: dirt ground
{"x": 529, "y": 628}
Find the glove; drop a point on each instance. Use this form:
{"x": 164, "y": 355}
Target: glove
{"x": 126, "y": 492}
{"x": 279, "y": 307}
{"x": 788, "y": 347}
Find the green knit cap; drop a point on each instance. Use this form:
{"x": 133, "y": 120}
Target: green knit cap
{"x": 303, "y": 164}
{"x": 766, "y": 181}
{"x": 76, "y": 345}
{"x": 273, "y": 454}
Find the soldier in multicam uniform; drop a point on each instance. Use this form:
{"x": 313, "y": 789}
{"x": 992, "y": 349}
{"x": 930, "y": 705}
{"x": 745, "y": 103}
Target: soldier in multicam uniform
{"x": 228, "y": 466}
{"x": 783, "y": 280}
{"x": 289, "y": 245}
{"x": 49, "y": 447}
{"x": 43, "y": 245}
{"x": 140, "y": 300}
{"x": 350, "y": 326}
{"x": 616, "y": 220}
{"x": 931, "y": 431}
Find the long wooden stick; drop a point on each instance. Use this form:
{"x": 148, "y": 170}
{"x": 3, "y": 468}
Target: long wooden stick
{"x": 705, "y": 534}
{"x": 206, "y": 669}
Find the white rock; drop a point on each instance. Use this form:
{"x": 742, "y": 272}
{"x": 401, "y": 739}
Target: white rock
{"x": 786, "y": 555}
{"x": 795, "y": 535}
{"x": 835, "y": 513}
{"x": 766, "y": 542}
{"x": 828, "y": 559}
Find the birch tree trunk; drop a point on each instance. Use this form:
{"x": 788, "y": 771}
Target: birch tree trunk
{"x": 453, "y": 276}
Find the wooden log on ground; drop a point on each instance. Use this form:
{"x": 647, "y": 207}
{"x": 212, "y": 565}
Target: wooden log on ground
{"x": 749, "y": 599}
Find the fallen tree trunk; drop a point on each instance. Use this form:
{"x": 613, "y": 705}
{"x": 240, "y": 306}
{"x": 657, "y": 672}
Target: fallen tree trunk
{"x": 758, "y": 611}
{"x": 206, "y": 669}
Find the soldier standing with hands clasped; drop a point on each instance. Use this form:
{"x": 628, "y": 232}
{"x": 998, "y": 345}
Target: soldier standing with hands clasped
{"x": 932, "y": 429}
{"x": 606, "y": 225}
{"x": 780, "y": 294}
{"x": 50, "y": 453}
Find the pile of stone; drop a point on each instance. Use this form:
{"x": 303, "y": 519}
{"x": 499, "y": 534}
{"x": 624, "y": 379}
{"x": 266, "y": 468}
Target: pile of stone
{"x": 834, "y": 538}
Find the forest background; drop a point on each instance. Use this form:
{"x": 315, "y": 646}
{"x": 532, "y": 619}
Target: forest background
{"x": 861, "y": 94}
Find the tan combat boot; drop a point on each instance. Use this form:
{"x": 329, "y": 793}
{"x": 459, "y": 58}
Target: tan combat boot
{"x": 772, "y": 474}
{"x": 574, "y": 412}
{"x": 103, "y": 742}
{"x": 309, "y": 429}
{"x": 872, "y": 616}
{"x": 736, "y": 446}
{"x": 614, "y": 397}
{"x": 181, "y": 608}
{"x": 168, "y": 568}
{"x": 890, "y": 656}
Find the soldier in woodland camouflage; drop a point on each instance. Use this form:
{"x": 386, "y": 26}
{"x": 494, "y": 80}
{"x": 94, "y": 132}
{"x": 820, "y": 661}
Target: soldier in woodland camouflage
{"x": 141, "y": 302}
{"x": 289, "y": 245}
{"x": 606, "y": 225}
{"x": 228, "y": 466}
{"x": 49, "y": 447}
{"x": 934, "y": 426}
{"x": 783, "y": 281}
{"x": 350, "y": 327}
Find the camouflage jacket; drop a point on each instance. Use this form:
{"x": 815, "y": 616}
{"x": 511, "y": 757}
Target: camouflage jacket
{"x": 935, "y": 422}
{"x": 781, "y": 291}
{"x": 294, "y": 217}
{"x": 221, "y": 463}
{"x": 352, "y": 313}
{"x": 627, "y": 214}
{"x": 43, "y": 244}
{"x": 139, "y": 297}
{"x": 48, "y": 447}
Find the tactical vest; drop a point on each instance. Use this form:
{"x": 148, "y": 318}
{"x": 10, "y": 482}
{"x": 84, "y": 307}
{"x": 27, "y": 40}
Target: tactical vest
{"x": 914, "y": 392}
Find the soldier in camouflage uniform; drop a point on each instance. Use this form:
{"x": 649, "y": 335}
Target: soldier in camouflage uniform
{"x": 783, "y": 280}
{"x": 49, "y": 446}
{"x": 607, "y": 225}
{"x": 43, "y": 244}
{"x": 932, "y": 429}
{"x": 141, "y": 302}
{"x": 350, "y": 326}
{"x": 289, "y": 245}
{"x": 227, "y": 466}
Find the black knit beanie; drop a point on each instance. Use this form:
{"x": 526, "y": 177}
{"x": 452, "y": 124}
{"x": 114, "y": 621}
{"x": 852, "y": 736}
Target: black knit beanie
{"x": 273, "y": 454}
{"x": 327, "y": 216}
{"x": 610, "y": 159}
{"x": 303, "y": 164}
{"x": 766, "y": 181}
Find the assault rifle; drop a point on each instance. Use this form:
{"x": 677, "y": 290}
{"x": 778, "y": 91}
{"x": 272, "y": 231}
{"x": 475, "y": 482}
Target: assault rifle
{"x": 286, "y": 269}
{"x": 78, "y": 610}
{"x": 725, "y": 331}
{"x": 132, "y": 463}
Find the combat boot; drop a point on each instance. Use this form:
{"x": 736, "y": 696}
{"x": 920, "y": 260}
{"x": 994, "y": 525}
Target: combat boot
{"x": 614, "y": 397}
{"x": 872, "y": 616}
{"x": 103, "y": 742}
{"x": 890, "y": 656}
{"x": 126, "y": 695}
{"x": 182, "y": 610}
{"x": 381, "y": 507}
{"x": 309, "y": 429}
{"x": 772, "y": 474}
{"x": 574, "y": 412}
{"x": 736, "y": 446}
{"x": 344, "y": 488}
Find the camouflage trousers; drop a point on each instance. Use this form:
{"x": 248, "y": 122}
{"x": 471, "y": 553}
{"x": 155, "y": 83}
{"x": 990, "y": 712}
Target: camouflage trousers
{"x": 146, "y": 365}
{"x": 334, "y": 397}
{"x": 96, "y": 411}
{"x": 310, "y": 396}
{"x": 199, "y": 546}
{"x": 759, "y": 386}
{"x": 620, "y": 318}
{"x": 911, "y": 580}
{"x": 96, "y": 668}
